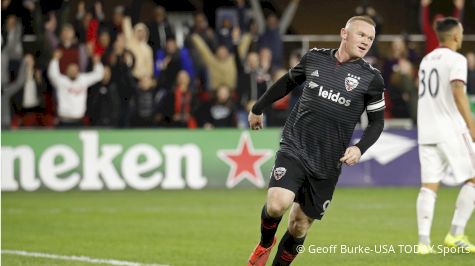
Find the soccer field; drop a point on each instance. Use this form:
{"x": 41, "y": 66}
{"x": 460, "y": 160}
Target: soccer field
{"x": 212, "y": 227}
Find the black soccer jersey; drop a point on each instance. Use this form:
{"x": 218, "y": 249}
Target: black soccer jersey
{"x": 321, "y": 124}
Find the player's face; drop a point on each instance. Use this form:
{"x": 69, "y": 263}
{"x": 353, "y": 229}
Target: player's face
{"x": 358, "y": 38}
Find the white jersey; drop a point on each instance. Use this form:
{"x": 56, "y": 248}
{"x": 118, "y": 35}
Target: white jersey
{"x": 72, "y": 94}
{"x": 438, "y": 118}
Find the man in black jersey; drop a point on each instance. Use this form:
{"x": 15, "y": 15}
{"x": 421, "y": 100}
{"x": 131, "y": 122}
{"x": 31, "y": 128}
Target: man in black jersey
{"x": 338, "y": 87}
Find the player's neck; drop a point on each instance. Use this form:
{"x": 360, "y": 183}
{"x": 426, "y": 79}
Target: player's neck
{"x": 451, "y": 45}
{"x": 343, "y": 57}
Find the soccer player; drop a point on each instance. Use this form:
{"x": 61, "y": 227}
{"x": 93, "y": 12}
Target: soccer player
{"x": 338, "y": 87}
{"x": 446, "y": 131}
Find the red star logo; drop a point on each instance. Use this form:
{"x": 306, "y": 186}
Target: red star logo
{"x": 245, "y": 162}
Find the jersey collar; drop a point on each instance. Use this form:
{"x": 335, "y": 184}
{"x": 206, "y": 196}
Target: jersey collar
{"x": 333, "y": 56}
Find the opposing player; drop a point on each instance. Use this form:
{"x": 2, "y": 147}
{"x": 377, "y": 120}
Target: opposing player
{"x": 446, "y": 131}
{"x": 339, "y": 86}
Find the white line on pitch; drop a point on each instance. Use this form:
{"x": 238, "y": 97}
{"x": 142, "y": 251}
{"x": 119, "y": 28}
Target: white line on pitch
{"x": 76, "y": 258}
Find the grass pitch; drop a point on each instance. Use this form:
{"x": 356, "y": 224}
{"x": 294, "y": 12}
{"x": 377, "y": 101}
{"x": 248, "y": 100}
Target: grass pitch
{"x": 213, "y": 227}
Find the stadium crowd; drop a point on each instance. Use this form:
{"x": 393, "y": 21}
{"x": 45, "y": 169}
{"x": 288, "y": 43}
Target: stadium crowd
{"x": 123, "y": 72}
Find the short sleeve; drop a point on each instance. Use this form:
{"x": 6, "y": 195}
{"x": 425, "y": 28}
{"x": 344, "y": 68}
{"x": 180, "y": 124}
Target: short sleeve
{"x": 459, "y": 71}
{"x": 297, "y": 73}
{"x": 374, "y": 98}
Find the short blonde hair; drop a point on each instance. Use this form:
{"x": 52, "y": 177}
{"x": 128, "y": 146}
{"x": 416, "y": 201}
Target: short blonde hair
{"x": 361, "y": 18}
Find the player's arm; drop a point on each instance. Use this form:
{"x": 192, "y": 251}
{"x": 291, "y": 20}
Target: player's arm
{"x": 461, "y": 100}
{"x": 374, "y": 102}
{"x": 458, "y": 79}
{"x": 278, "y": 90}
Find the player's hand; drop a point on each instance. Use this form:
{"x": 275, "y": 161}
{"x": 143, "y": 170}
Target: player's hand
{"x": 255, "y": 121}
{"x": 352, "y": 156}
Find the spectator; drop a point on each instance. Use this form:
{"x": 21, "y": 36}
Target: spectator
{"x": 122, "y": 62}
{"x": 225, "y": 32}
{"x": 136, "y": 42}
{"x": 72, "y": 52}
{"x": 13, "y": 44}
{"x": 265, "y": 59}
{"x": 71, "y": 89}
{"x": 144, "y": 105}
{"x": 89, "y": 21}
{"x": 30, "y": 100}
{"x": 254, "y": 34}
{"x": 220, "y": 112}
{"x": 201, "y": 28}
{"x": 103, "y": 46}
{"x": 117, "y": 22}
{"x": 171, "y": 60}
{"x": 103, "y": 102}
{"x": 176, "y": 106}
{"x": 241, "y": 10}
{"x": 272, "y": 29}
{"x": 10, "y": 88}
{"x": 428, "y": 27}
{"x": 251, "y": 82}
{"x": 84, "y": 18}
{"x": 160, "y": 29}
{"x": 398, "y": 73}
{"x": 220, "y": 65}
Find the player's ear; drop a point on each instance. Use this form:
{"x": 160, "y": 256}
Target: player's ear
{"x": 343, "y": 33}
{"x": 456, "y": 36}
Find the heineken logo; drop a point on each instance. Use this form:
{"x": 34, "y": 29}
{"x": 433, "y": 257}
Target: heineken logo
{"x": 61, "y": 168}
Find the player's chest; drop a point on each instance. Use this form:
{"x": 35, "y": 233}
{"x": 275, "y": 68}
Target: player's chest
{"x": 335, "y": 85}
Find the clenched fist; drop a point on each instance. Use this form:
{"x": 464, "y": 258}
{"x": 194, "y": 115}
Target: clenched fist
{"x": 255, "y": 121}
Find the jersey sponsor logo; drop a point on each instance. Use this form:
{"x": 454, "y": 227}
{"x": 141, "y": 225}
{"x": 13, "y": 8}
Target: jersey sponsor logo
{"x": 312, "y": 85}
{"x": 315, "y": 73}
{"x": 334, "y": 97}
{"x": 351, "y": 82}
{"x": 279, "y": 172}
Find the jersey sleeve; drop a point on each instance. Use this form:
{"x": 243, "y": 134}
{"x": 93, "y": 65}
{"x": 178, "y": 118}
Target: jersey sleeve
{"x": 374, "y": 98}
{"x": 459, "y": 70}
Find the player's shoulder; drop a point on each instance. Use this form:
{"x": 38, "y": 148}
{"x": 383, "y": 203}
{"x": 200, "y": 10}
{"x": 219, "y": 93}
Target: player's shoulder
{"x": 368, "y": 67}
{"x": 320, "y": 51}
{"x": 446, "y": 55}
{"x": 458, "y": 57}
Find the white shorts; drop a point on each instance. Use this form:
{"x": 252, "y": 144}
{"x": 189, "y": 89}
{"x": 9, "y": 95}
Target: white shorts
{"x": 452, "y": 160}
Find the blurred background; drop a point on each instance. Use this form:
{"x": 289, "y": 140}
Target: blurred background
{"x": 151, "y": 146}
{"x": 201, "y": 64}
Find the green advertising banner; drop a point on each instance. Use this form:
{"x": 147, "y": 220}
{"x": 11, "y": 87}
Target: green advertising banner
{"x": 63, "y": 160}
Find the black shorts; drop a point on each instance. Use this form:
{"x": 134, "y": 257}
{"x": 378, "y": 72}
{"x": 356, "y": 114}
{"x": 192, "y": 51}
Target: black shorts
{"x": 312, "y": 193}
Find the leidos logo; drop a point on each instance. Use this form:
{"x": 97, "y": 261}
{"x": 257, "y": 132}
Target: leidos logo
{"x": 334, "y": 97}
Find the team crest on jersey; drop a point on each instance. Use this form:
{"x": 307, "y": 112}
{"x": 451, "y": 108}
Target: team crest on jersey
{"x": 279, "y": 172}
{"x": 351, "y": 82}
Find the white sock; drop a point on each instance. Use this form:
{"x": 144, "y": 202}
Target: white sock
{"x": 463, "y": 208}
{"x": 425, "y": 213}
